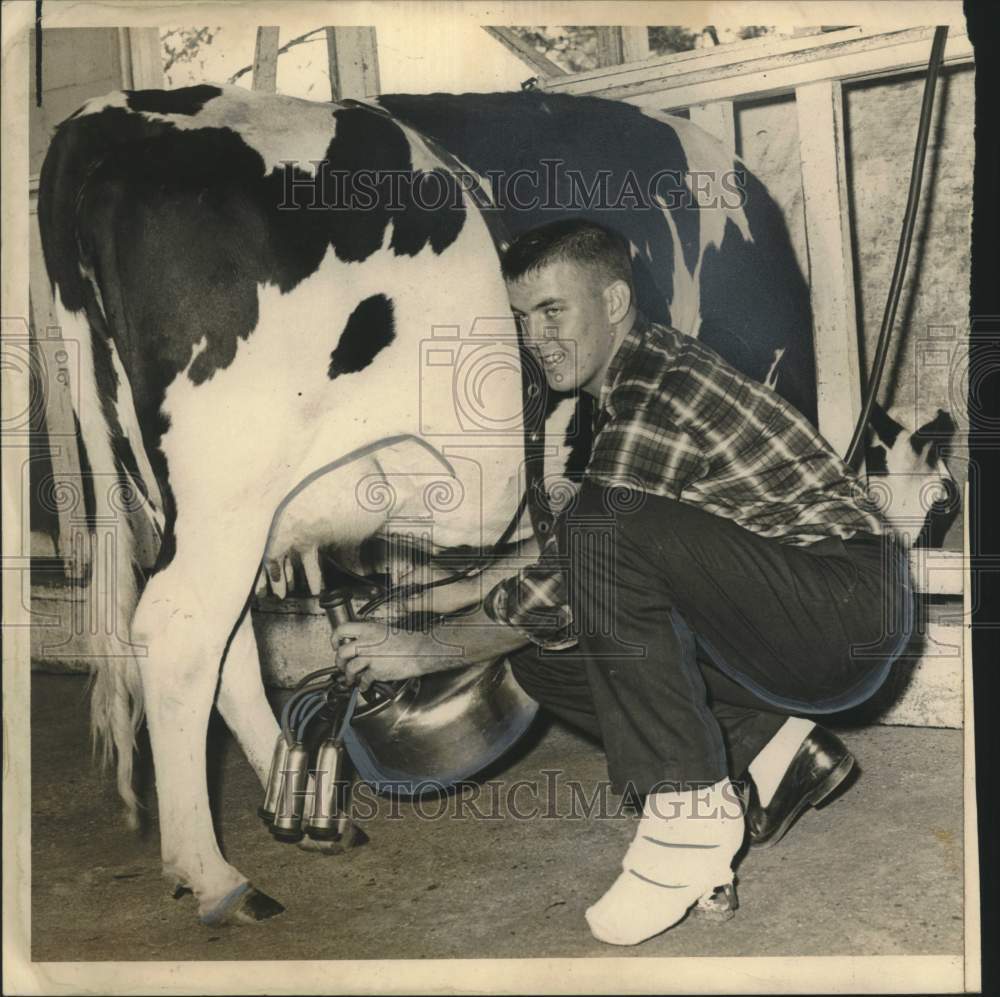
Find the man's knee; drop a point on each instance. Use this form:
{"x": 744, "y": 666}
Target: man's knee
{"x": 558, "y": 681}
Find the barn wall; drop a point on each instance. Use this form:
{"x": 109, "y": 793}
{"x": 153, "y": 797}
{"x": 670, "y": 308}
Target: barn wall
{"x": 77, "y": 63}
{"x": 767, "y": 137}
{"x": 925, "y": 371}
{"x": 881, "y": 125}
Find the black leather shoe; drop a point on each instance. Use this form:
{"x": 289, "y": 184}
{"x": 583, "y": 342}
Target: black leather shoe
{"x": 820, "y": 765}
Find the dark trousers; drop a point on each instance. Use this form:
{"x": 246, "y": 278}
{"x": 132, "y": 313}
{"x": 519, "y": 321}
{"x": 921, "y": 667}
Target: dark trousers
{"x": 698, "y": 637}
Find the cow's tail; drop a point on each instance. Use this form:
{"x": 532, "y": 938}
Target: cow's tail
{"x": 113, "y": 592}
{"x": 76, "y": 222}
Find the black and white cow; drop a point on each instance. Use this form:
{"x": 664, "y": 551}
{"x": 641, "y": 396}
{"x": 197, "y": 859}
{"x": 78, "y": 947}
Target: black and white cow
{"x": 247, "y": 331}
{"x": 711, "y": 252}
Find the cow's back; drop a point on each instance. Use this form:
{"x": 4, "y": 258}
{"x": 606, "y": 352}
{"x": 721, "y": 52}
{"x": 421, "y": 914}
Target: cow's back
{"x": 247, "y": 309}
{"x": 751, "y": 302}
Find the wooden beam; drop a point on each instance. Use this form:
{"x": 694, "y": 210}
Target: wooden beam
{"x": 820, "y": 112}
{"x": 535, "y": 61}
{"x": 265, "y": 60}
{"x": 765, "y": 67}
{"x": 698, "y": 59}
{"x": 672, "y": 63}
{"x": 717, "y": 119}
{"x": 353, "y": 55}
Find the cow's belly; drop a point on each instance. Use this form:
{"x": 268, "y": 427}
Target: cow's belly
{"x": 422, "y": 498}
{"x": 405, "y": 491}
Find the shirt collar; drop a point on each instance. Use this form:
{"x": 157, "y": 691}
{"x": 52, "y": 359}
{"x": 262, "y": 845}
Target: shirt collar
{"x": 626, "y": 348}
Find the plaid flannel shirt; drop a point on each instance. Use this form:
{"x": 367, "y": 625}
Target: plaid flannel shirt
{"x": 674, "y": 419}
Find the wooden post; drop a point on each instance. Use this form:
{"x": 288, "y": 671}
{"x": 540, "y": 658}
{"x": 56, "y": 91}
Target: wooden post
{"x": 616, "y": 45}
{"x": 265, "y": 60}
{"x": 717, "y": 119}
{"x": 353, "y": 58}
{"x": 635, "y": 43}
{"x": 609, "y": 47}
{"x": 820, "y": 112}
{"x": 141, "y": 58}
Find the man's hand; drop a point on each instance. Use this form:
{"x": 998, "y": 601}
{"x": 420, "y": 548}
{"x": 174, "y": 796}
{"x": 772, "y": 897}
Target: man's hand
{"x": 373, "y": 653}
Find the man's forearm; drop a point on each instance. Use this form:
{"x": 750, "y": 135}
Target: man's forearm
{"x": 479, "y": 639}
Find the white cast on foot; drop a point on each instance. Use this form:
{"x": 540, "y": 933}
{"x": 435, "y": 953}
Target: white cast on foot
{"x": 770, "y": 765}
{"x": 683, "y": 849}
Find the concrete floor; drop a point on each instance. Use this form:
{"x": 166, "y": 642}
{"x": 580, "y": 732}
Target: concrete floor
{"x": 877, "y": 872}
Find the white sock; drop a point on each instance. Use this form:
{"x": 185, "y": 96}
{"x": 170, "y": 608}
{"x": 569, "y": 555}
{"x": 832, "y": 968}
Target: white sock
{"x": 683, "y": 849}
{"x": 770, "y": 765}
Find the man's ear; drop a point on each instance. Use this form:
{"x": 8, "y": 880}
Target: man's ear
{"x": 617, "y": 300}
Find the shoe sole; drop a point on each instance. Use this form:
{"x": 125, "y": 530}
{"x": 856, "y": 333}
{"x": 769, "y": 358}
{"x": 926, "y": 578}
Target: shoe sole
{"x": 813, "y": 799}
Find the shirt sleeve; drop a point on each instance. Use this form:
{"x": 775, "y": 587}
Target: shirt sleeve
{"x": 534, "y": 601}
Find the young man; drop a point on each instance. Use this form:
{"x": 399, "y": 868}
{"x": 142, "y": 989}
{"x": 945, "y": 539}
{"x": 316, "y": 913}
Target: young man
{"x": 719, "y": 572}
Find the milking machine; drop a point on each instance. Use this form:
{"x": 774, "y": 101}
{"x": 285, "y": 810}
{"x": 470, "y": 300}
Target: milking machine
{"x": 426, "y": 733}
{"x": 322, "y": 701}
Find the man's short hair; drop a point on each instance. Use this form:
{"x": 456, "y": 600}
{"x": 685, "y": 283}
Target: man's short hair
{"x": 574, "y": 240}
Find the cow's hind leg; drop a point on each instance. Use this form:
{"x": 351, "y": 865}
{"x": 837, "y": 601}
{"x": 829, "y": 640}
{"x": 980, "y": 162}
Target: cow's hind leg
{"x": 244, "y": 706}
{"x": 185, "y": 620}
{"x": 243, "y": 702}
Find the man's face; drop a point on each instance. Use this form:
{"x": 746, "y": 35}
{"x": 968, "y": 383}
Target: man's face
{"x": 564, "y": 318}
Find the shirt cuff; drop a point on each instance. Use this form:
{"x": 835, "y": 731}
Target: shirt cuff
{"x": 554, "y": 643}
{"x": 495, "y": 606}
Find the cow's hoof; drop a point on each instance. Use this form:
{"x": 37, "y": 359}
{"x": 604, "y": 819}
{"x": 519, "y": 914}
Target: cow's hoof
{"x": 352, "y": 836}
{"x": 256, "y": 907}
{"x": 245, "y": 905}
{"x": 320, "y": 847}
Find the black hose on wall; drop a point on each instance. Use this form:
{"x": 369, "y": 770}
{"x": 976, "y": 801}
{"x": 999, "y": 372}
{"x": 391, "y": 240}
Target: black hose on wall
{"x": 905, "y": 239}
